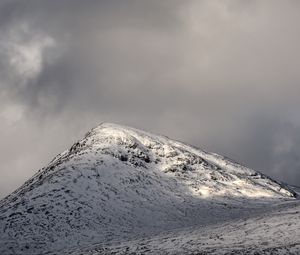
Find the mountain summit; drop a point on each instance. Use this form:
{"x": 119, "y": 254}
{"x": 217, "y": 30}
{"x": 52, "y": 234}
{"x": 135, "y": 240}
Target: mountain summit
{"x": 118, "y": 183}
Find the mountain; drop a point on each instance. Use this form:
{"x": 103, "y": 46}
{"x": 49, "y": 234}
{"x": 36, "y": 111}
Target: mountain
{"x": 119, "y": 184}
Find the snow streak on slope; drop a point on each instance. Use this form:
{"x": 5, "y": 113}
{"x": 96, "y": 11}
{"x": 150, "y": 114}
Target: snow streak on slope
{"x": 118, "y": 183}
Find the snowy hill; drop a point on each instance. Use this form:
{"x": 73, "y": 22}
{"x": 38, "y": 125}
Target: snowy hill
{"x": 119, "y": 184}
{"x": 275, "y": 233}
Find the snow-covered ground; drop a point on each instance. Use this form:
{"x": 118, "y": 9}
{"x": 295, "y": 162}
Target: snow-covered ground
{"x": 276, "y": 232}
{"x": 119, "y": 188}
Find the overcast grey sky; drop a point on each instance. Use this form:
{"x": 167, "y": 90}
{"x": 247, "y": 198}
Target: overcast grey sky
{"x": 221, "y": 75}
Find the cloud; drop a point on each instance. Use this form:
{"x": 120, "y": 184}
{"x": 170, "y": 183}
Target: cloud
{"x": 222, "y": 75}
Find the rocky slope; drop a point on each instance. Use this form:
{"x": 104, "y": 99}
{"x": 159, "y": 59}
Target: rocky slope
{"x": 119, "y": 183}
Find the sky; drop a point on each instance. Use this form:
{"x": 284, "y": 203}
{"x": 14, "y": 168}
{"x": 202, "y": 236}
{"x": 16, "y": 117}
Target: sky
{"x": 221, "y": 75}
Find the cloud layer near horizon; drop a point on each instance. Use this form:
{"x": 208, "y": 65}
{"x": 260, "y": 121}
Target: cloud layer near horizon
{"x": 222, "y": 75}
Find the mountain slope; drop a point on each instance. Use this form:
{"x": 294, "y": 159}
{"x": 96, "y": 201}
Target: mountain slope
{"x": 265, "y": 234}
{"x": 118, "y": 183}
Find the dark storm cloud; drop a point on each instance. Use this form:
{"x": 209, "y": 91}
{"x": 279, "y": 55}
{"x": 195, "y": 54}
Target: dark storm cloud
{"x": 222, "y": 75}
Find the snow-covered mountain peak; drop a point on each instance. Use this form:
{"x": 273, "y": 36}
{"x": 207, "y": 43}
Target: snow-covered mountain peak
{"x": 123, "y": 134}
{"x": 206, "y": 174}
{"x": 118, "y": 182}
